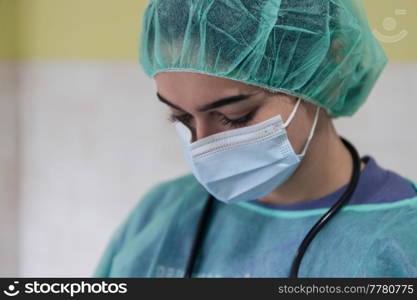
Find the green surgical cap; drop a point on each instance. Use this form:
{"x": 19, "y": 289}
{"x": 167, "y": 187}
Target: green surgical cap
{"x": 322, "y": 51}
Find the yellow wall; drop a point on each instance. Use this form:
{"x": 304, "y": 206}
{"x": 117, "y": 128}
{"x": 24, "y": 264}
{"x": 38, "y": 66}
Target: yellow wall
{"x": 90, "y": 29}
{"x": 7, "y": 29}
{"x": 109, "y": 29}
{"x": 379, "y": 10}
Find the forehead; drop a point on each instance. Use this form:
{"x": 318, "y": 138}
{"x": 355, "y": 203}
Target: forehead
{"x": 183, "y": 84}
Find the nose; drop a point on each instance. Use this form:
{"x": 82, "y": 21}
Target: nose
{"x": 203, "y": 128}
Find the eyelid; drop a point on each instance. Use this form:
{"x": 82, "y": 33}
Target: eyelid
{"x": 238, "y": 122}
{"x": 251, "y": 112}
{"x": 242, "y": 121}
{"x": 173, "y": 117}
{"x": 180, "y": 115}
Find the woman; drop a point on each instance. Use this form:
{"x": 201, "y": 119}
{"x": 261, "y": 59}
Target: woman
{"x": 253, "y": 86}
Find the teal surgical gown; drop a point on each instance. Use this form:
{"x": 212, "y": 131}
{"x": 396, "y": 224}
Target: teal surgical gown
{"x": 375, "y": 235}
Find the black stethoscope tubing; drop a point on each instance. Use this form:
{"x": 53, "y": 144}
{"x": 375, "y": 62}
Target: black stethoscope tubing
{"x": 201, "y": 227}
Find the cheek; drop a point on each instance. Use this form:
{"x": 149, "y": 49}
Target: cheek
{"x": 298, "y": 131}
{"x": 296, "y": 139}
{"x": 271, "y": 110}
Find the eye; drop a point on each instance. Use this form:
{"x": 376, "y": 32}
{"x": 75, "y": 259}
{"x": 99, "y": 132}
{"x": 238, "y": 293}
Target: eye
{"x": 238, "y": 122}
{"x": 234, "y": 123}
{"x": 185, "y": 118}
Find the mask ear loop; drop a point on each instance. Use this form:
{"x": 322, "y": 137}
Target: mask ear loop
{"x": 292, "y": 113}
{"x": 313, "y": 129}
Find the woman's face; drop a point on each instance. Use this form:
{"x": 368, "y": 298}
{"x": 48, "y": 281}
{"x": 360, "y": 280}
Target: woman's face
{"x": 208, "y": 105}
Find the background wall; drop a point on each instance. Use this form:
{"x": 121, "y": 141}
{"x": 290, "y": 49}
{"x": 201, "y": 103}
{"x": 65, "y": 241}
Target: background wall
{"x": 83, "y": 136}
{"x": 8, "y": 142}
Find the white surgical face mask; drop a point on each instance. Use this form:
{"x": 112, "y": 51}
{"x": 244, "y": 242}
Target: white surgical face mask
{"x": 246, "y": 163}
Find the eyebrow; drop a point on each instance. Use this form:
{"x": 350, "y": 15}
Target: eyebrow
{"x": 215, "y": 104}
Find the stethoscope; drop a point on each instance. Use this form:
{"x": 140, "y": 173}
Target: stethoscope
{"x": 202, "y": 224}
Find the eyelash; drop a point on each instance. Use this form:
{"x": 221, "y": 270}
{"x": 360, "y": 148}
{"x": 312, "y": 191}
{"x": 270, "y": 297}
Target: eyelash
{"x": 225, "y": 121}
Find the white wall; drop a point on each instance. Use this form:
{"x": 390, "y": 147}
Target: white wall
{"x": 8, "y": 171}
{"x": 386, "y": 125}
{"x": 94, "y": 139}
